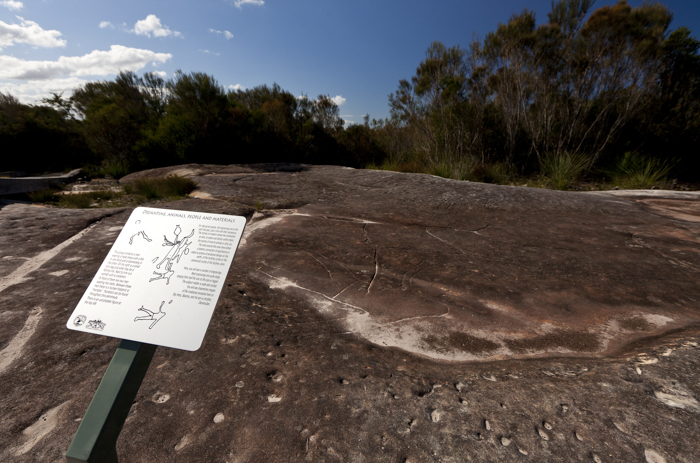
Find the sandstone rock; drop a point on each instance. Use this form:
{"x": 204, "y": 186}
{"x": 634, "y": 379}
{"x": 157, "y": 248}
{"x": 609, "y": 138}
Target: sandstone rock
{"x": 361, "y": 286}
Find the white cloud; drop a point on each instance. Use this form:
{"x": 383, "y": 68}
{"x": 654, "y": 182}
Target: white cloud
{"x": 226, "y": 34}
{"x": 210, "y": 52}
{"x": 338, "y": 100}
{"x": 238, "y": 3}
{"x": 161, "y": 74}
{"x": 118, "y": 58}
{"x": 152, "y": 25}
{"x": 12, "y": 5}
{"x": 33, "y": 91}
{"x": 30, "y": 33}
{"x": 236, "y": 87}
{"x": 106, "y": 24}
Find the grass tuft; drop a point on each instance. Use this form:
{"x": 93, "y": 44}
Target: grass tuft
{"x": 158, "y": 188}
{"x": 561, "y": 170}
{"x": 135, "y": 193}
{"x": 636, "y": 171}
{"x": 87, "y": 199}
{"x": 46, "y": 195}
{"x": 497, "y": 172}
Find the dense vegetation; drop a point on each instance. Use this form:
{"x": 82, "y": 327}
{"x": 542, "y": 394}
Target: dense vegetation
{"x": 616, "y": 94}
{"x": 609, "y": 94}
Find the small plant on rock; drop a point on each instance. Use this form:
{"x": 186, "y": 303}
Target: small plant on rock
{"x": 636, "y": 171}
{"x": 563, "y": 169}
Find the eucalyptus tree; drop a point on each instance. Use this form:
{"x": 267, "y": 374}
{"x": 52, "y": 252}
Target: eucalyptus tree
{"x": 571, "y": 84}
{"x": 200, "y": 124}
{"x": 678, "y": 110}
{"x": 326, "y": 113}
{"x": 436, "y": 102}
{"x": 117, "y": 117}
{"x": 38, "y": 138}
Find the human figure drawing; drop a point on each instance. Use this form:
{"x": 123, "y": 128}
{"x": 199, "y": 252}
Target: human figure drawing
{"x": 155, "y": 316}
{"x": 178, "y": 248}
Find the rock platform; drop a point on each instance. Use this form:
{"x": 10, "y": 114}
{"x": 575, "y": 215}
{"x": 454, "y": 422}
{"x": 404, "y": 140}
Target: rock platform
{"x": 379, "y": 316}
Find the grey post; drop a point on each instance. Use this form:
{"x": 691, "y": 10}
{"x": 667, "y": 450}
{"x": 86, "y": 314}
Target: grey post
{"x": 97, "y": 435}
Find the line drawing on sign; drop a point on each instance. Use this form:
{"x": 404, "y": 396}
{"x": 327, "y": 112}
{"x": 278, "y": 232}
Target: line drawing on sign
{"x": 178, "y": 248}
{"x": 155, "y": 316}
{"x": 143, "y": 235}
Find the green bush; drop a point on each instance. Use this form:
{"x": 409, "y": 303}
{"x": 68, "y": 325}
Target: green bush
{"x": 560, "y": 170}
{"x": 462, "y": 170}
{"x": 113, "y": 169}
{"x": 147, "y": 188}
{"x": 156, "y": 188}
{"x": 442, "y": 169}
{"x": 636, "y": 171}
{"x": 177, "y": 186}
{"x": 409, "y": 166}
{"x": 46, "y": 195}
{"x": 77, "y": 201}
{"x": 87, "y": 199}
{"x": 497, "y": 172}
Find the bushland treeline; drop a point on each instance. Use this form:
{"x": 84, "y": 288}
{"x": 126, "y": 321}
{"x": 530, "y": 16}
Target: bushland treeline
{"x": 611, "y": 92}
{"x": 136, "y": 122}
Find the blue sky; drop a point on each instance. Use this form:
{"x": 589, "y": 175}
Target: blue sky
{"x": 353, "y": 51}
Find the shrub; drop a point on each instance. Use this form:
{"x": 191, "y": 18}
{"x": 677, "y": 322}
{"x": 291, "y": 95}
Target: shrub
{"x": 177, "y": 186}
{"x": 157, "y": 188}
{"x": 560, "y": 170}
{"x": 497, "y": 172}
{"x": 147, "y": 188}
{"x": 46, "y": 195}
{"x": 636, "y": 171}
{"x": 441, "y": 169}
{"x": 87, "y": 199}
{"x": 114, "y": 169}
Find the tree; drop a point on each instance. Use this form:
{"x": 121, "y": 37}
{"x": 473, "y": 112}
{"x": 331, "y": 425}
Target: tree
{"x": 118, "y": 116}
{"x": 572, "y": 85}
{"x": 46, "y": 138}
{"x": 436, "y": 102}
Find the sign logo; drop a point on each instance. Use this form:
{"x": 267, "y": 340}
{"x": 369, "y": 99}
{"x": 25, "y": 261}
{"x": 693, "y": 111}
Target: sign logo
{"x": 79, "y": 320}
{"x": 98, "y": 325}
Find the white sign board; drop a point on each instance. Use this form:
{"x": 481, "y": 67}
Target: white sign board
{"x": 160, "y": 281}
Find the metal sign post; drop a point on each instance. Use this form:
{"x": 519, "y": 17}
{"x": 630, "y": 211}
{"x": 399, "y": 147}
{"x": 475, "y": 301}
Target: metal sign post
{"x": 97, "y": 435}
{"x": 149, "y": 291}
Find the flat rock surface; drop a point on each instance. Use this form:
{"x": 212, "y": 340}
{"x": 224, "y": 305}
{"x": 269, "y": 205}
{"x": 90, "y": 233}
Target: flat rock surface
{"x": 379, "y": 316}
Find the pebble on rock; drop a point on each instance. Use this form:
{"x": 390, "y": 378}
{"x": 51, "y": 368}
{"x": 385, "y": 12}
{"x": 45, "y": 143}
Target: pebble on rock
{"x": 652, "y": 457}
{"x": 160, "y": 398}
{"x": 218, "y": 418}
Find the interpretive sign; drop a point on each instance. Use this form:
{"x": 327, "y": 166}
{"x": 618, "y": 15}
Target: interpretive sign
{"x": 160, "y": 281}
